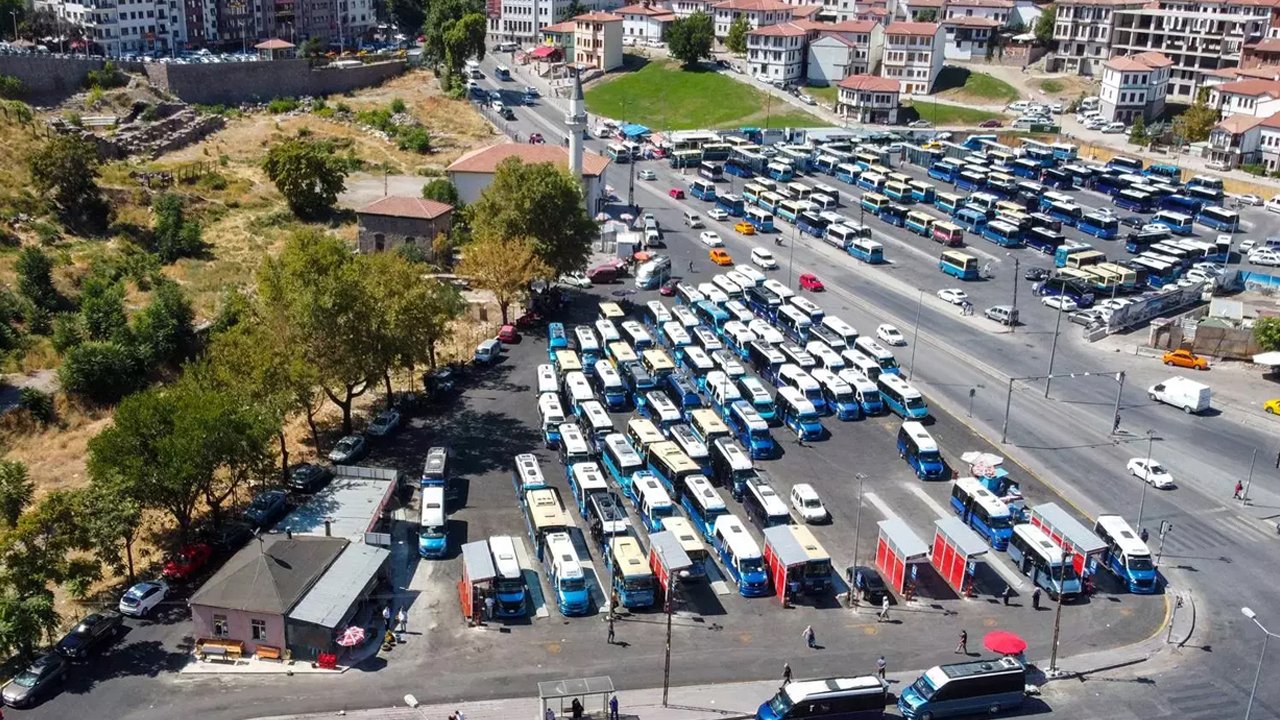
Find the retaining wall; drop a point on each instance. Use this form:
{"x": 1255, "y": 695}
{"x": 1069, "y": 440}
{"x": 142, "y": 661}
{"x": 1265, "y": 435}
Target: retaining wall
{"x": 235, "y": 83}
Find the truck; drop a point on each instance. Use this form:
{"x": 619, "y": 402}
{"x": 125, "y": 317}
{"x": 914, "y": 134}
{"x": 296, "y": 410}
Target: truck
{"x": 1191, "y": 396}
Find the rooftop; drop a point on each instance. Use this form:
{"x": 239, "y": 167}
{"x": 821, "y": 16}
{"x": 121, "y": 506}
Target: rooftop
{"x": 1142, "y": 62}
{"x": 1237, "y": 124}
{"x": 350, "y": 504}
{"x": 597, "y": 16}
{"x": 274, "y": 44}
{"x": 749, "y": 5}
{"x": 924, "y": 3}
{"x": 485, "y": 160}
{"x": 786, "y": 29}
{"x": 1267, "y": 45}
{"x": 912, "y": 28}
{"x": 836, "y": 37}
{"x": 851, "y": 26}
{"x": 1252, "y": 87}
{"x": 270, "y": 575}
{"x": 1272, "y": 122}
{"x": 972, "y": 21}
{"x": 870, "y": 83}
{"x": 327, "y": 602}
{"x": 805, "y": 11}
{"x": 981, "y": 3}
{"x": 406, "y": 207}
{"x": 567, "y": 26}
{"x": 642, "y": 9}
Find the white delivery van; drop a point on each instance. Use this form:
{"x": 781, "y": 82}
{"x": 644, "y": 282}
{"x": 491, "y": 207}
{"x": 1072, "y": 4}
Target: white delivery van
{"x": 1191, "y": 396}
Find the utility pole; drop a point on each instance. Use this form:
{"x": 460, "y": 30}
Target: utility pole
{"x": 1244, "y": 499}
{"x": 915, "y": 340}
{"x": 1013, "y": 320}
{"x": 857, "y": 521}
{"x": 1142, "y": 502}
{"x": 673, "y": 580}
{"x": 1053, "y": 351}
{"x": 1057, "y": 618}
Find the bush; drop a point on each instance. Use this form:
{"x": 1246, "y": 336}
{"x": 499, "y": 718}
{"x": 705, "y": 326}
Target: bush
{"x": 212, "y": 181}
{"x": 377, "y": 118}
{"x": 397, "y": 106}
{"x": 68, "y": 332}
{"x": 1254, "y": 169}
{"x": 11, "y": 88}
{"x": 106, "y": 78}
{"x": 282, "y": 105}
{"x": 101, "y": 371}
{"x": 38, "y": 403}
{"x": 415, "y": 139}
{"x": 150, "y": 114}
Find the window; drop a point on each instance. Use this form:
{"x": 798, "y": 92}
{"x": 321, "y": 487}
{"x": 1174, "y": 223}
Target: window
{"x": 220, "y": 627}
{"x": 259, "y": 629}
{"x": 379, "y": 241}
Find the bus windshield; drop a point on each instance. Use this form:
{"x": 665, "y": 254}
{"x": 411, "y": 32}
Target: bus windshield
{"x": 434, "y": 532}
{"x": 638, "y": 583}
{"x": 746, "y": 565}
{"x": 510, "y": 585}
{"x": 923, "y": 687}
{"x": 1140, "y": 563}
{"x": 572, "y": 584}
{"x": 914, "y": 402}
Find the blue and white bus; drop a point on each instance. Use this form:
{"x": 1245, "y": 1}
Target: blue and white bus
{"x": 901, "y": 398}
{"x": 608, "y": 382}
{"x": 879, "y": 353}
{"x": 1041, "y": 559}
{"x": 1126, "y": 556}
{"x": 740, "y": 556}
{"x": 958, "y": 265}
{"x": 1099, "y": 225}
{"x": 703, "y": 190}
{"x": 1125, "y": 164}
{"x": 621, "y": 460}
{"x": 921, "y": 191}
{"x": 971, "y": 219}
{"x": 1177, "y": 222}
{"x": 704, "y": 504}
{"x": 731, "y": 204}
{"x": 864, "y": 389}
{"x": 1003, "y": 234}
{"x": 1220, "y": 219}
{"x": 652, "y": 502}
{"x": 753, "y": 391}
{"x": 867, "y": 250}
{"x": 983, "y": 511}
{"x": 1043, "y": 240}
{"x": 860, "y": 698}
{"x": 632, "y": 580}
{"x": 965, "y": 688}
{"x": 798, "y": 414}
{"x": 946, "y": 170}
{"x": 838, "y": 394}
{"x": 751, "y": 430}
{"x": 1067, "y": 212}
{"x": 847, "y": 173}
{"x": 585, "y": 478}
{"x": 1134, "y": 200}
{"x": 949, "y": 203}
{"x": 918, "y": 448}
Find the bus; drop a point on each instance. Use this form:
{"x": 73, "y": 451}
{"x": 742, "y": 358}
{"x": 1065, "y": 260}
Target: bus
{"x": 1085, "y": 258}
{"x": 970, "y": 180}
{"x": 433, "y": 532}
{"x": 1125, "y": 164}
{"x": 711, "y": 171}
{"x": 741, "y": 556}
{"x": 1181, "y": 204}
{"x": 946, "y": 170}
{"x": 607, "y": 332}
{"x": 657, "y": 363}
{"x": 755, "y": 393}
{"x": 544, "y": 514}
{"x": 633, "y": 582}
{"x": 573, "y": 447}
{"x": 1003, "y": 234}
{"x": 685, "y": 158}
{"x": 752, "y": 191}
{"x": 1070, "y": 283}
{"x": 947, "y": 233}
{"x": 949, "y": 203}
{"x": 770, "y": 201}
{"x": 1099, "y": 225}
{"x": 981, "y": 510}
{"x": 793, "y": 376}
{"x": 1043, "y": 240}
{"x": 1041, "y": 559}
{"x": 1058, "y": 179}
{"x": 1128, "y": 278}
{"x": 918, "y": 448}
{"x": 1041, "y": 220}
{"x": 621, "y": 459}
{"x": 921, "y": 191}
{"x": 566, "y": 361}
{"x": 844, "y": 330}
{"x": 798, "y": 414}
{"x": 731, "y": 204}
{"x": 1067, "y": 212}
{"x": 794, "y": 323}
{"x": 811, "y": 223}
{"x": 1134, "y": 200}
{"x": 595, "y": 422}
{"x": 920, "y": 223}
{"x": 585, "y": 478}
{"x": 766, "y": 359}
{"x": 1177, "y": 222}
{"x": 636, "y": 336}
{"x": 871, "y": 182}
{"x": 979, "y": 686}
{"x": 780, "y": 171}
{"x": 883, "y": 358}
{"x": 901, "y": 398}
{"x": 847, "y": 173}
{"x": 670, "y": 465}
{"x": 751, "y": 430}
{"x": 618, "y": 153}
{"x": 1220, "y": 219}
{"x": 687, "y": 537}
{"x": 838, "y": 394}
{"x": 764, "y": 506}
{"x": 797, "y": 191}
{"x": 898, "y": 190}
{"x": 568, "y": 581}
{"x": 894, "y": 214}
{"x": 551, "y": 413}
{"x": 707, "y": 425}
{"x": 972, "y": 219}
{"x": 958, "y": 265}
{"x": 1205, "y": 195}
{"x": 577, "y": 391}
{"x": 873, "y": 202}
{"x": 692, "y": 447}
{"x": 856, "y": 698}
{"x": 675, "y": 335}
{"x": 620, "y": 354}
{"x": 716, "y": 150}
{"x": 760, "y": 219}
{"x": 1126, "y": 556}
{"x": 652, "y": 501}
{"x": 704, "y": 505}
{"x": 510, "y": 595}
{"x": 703, "y": 190}
{"x": 864, "y": 390}
{"x": 659, "y": 409}
{"x": 867, "y": 250}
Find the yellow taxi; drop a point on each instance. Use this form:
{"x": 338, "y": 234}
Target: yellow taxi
{"x": 720, "y": 257}
{"x": 1186, "y": 359}
{"x": 1272, "y": 406}
{"x": 745, "y": 228}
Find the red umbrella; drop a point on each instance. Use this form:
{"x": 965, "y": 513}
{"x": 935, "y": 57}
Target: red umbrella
{"x": 351, "y": 637}
{"x": 1004, "y": 642}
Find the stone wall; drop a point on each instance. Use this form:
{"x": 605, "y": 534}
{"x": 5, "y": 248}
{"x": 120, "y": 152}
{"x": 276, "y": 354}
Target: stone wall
{"x": 51, "y": 79}
{"x": 235, "y": 83}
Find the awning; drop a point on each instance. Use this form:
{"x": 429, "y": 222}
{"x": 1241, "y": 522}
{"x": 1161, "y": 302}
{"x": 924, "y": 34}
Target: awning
{"x": 785, "y": 545}
{"x": 545, "y": 52}
{"x": 633, "y": 130}
{"x": 1267, "y": 358}
{"x": 328, "y": 601}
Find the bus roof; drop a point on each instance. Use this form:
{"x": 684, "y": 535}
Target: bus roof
{"x": 623, "y": 453}
{"x": 545, "y": 508}
{"x": 1039, "y": 542}
{"x": 611, "y": 311}
{"x": 701, "y": 490}
{"x": 708, "y": 420}
{"x": 673, "y": 456}
{"x": 658, "y": 359}
{"x": 689, "y": 443}
{"x": 567, "y": 360}
{"x": 941, "y": 674}
{"x": 900, "y": 385}
{"x": 994, "y": 506}
{"x": 736, "y": 537}
{"x": 432, "y": 506}
{"x": 682, "y": 530}
{"x": 796, "y": 399}
{"x": 571, "y": 435}
{"x": 1123, "y": 535}
{"x": 505, "y": 562}
{"x": 737, "y": 458}
{"x": 802, "y": 690}
{"x": 588, "y": 477}
{"x": 651, "y": 491}
{"x": 628, "y": 560}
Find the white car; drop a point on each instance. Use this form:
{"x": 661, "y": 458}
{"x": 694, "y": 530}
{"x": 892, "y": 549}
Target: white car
{"x": 1113, "y": 303}
{"x": 142, "y": 598}
{"x": 710, "y": 238}
{"x": 750, "y": 273}
{"x": 763, "y": 258}
{"x": 647, "y": 175}
{"x": 807, "y": 100}
{"x": 955, "y": 296}
{"x": 1247, "y": 245}
{"x": 807, "y": 504}
{"x": 577, "y": 280}
{"x": 653, "y": 43}
{"x": 919, "y": 124}
{"x": 1113, "y": 128}
{"x": 384, "y": 423}
{"x": 890, "y": 335}
{"x": 717, "y": 214}
{"x": 1095, "y": 124}
{"x": 1249, "y": 199}
{"x": 1017, "y": 106}
{"x": 1274, "y": 204}
{"x": 1060, "y": 302}
{"x": 1269, "y": 258}
{"x": 761, "y": 77}
{"x": 1150, "y": 471}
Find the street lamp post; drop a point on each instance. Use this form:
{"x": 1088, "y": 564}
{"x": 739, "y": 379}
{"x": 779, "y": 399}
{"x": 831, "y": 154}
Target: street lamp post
{"x": 857, "y": 521}
{"x": 1013, "y": 316}
{"x": 915, "y": 339}
{"x": 1142, "y": 502}
{"x": 1057, "y": 618}
{"x": 670, "y": 608}
{"x": 1267, "y": 635}
{"x": 1244, "y": 497}
{"x": 1053, "y": 351}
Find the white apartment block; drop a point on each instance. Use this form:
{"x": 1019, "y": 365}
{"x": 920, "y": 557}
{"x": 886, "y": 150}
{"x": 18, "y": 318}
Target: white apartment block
{"x": 1235, "y": 141}
{"x": 645, "y": 21}
{"x": 1252, "y": 97}
{"x": 759, "y": 13}
{"x": 1082, "y": 34}
{"x": 521, "y": 21}
{"x": 126, "y": 27}
{"x": 685, "y": 8}
{"x": 998, "y": 10}
{"x": 1134, "y": 86}
{"x": 844, "y": 49}
{"x": 868, "y": 99}
{"x": 778, "y": 52}
{"x": 913, "y": 55}
{"x": 1269, "y": 143}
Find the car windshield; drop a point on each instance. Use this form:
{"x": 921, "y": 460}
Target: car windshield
{"x": 346, "y": 443}
{"x": 780, "y": 704}
{"x": 1156, "y": 469}
{"x": 923, "y": 688}
{"x": 27, "y": 679}
{"x": 747, "y": 565}
{"x": 812, "y": 503}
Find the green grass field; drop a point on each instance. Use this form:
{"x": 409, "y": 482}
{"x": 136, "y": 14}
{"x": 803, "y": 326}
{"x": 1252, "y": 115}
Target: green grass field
{"x": 979, "y": 87}
{"x": 1051, "y": 86}
{"x": 944, "y": 115}
{"x": 663, "y": 96}
{"x": 825, "y": 95}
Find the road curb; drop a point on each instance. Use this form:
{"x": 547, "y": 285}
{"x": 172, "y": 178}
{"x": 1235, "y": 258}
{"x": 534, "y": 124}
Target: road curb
{"x": 1185, "y": 606}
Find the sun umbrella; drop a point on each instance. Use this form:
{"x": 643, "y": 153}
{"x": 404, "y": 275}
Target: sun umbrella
{"x": 351, "y": 637}
{"x": 642, "y": 256}
{"x": 601, "y": 217}
{"x": 1004, "y": 642}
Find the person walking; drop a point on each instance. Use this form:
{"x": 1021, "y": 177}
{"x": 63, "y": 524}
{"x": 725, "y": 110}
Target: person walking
{"x": 880, "y": 665}
{"x": 613, "y": 708}
{"x": 786, "y": 673}
{"x": 1008, "y": 593}
{"x": 884, "y": 610}
{"x": 576, "y": 709}
{"x": 810, "y": 638}
{"x": 488, "y": 607}
{"x": 962, "y": 648}
{"x": 386, "y": 617}
{"x": 1035, "y": 599}
{"x": 402, "y": 620}
{"x": 1239, "y": 493}
{"x": 611, "y": 635}
{"x": 550, "y": 714}
{"x": 690, "y": 266}
{"x": 458, "y": 714}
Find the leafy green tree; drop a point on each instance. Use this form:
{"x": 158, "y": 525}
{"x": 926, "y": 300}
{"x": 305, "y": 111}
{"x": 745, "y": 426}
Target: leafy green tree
{"x": 926, "y": 15}
{"x": 174, "y": 236}
{"x": 308, "y": 174}
{"x": 35, "y": 278}
{"x": 68, "y": 331}
{"x": 1138, "y": 131}
{"x": 112, "y": 520}
{"x": 25, "y": 619}
{"x": 16, "y": 491}
{"x": 164, "y": 332}
{"x": 66, "y": 169}
{"x": 101, "y": 371}
{"x": 541, "y": 202}
{"x": 1044, "y": 25}
{"x": 11, "y": 88}
{"x": 1266, "y": 331}
{"x": 1194, "y": 124}
{"x": 441, "y": 16}
{"x": 442, "y": 190}
{"x": 736, "y": 40}
{"x": 408, "y": 15}
{"x": 40, "y": 550}
{"x": 464, "y": 39}
{"x": 689, "y": 39}
{"x": 102, "y": 307}
{"x": 572, "y": 10}
{"x": 504, "y": 267}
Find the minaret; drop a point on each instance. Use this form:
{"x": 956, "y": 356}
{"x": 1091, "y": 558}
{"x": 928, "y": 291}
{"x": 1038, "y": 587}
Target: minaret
{"x": 576, "y": 121}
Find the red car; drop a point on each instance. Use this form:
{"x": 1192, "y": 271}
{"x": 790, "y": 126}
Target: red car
{"x": 676, "y": 193}
{"x": 508, "y": 334}
{"x": 993, "y": 123}
{"x": 809, "y": 281}
{"x": 189, "y": 561}
{"x": 669, "y": 288}
{"x": 528, "y": 319}
{"x": 536, "y": 139}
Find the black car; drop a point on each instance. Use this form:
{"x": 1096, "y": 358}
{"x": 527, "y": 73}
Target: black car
{"x": 228, "y": 537}
{"x": 308, "y": 477}
{"x": 867, "y": 582}
{"x": 266, "y": 508}
{"x": 89, "y": 634}
{"x": 1035, "y": 274}
{"x": 36, "y": 681}
{"x": 1133, "y": 221}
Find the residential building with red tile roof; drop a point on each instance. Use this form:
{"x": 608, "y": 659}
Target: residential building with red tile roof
{"x": 597, "y": 40}
{"x": 759, "y": 13}
{"x": 854, "y": 49}
{"x": 868, "y": 99}
{"x": 473, "y": 172}
{"x": 1134, "y": 86}
{"x": 1236, "y": 141}
{"x": 913, "y": 55}
{"x": 778, "y": 52}
{"x": 394, "y": 221}
{"x": 1253, "y": 97}
{"x": 645, "y": 21}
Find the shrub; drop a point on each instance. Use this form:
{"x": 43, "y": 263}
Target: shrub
{"x": 415, "y": 139}
{"x": 377, "y": 118}
{"x": 212, "y": 181}
{"x": 68, "y": 332}
{"x": 282, "y": 105}
{"x": 150, "y": 114}
{"x": 46, "y": 231}
{"x": 38, "y": 403}
{"x": 397, "y": 106}
{"x": 106, "y": 78}
{"x": 11, "y": 88}
{"x": 101, "y": 371}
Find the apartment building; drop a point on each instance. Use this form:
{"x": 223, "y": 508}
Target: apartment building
{"x": 1082, "y": 34}
{"x": 759, "y": 13}
{"x": 1235, "y": 141}
{"x": 1252, "y": 97}
{"x": 920, "y": 10}
{"x": 778, "y": 52}
{"x": 1134, "y": 86}
{"x": 1269, "y": 143}
{"x": 597, "y": 40}
{"x": 522, "y": 21}
{"x": 913, "y": 55}
{"x": 844, "y": 49}
{"x": 868, "y": 99}
{"x": 128, "y": 27}
{"x": 645, "y": 21}
{"x": 685, "y": 8}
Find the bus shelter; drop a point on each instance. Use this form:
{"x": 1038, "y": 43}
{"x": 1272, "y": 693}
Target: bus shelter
{"x": 786, "y": 560}
{"x": 558, "y": 696}
{"x": 896, "y": 549}
{"x": 1070, "y": 535}
{"x": 667, "y": 559}
{"x": 955, "y": 547}
{"x": 477, "y": 579}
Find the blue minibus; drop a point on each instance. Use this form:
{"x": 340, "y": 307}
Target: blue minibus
{"x": 901, "y": 398}
{"x": 703, "y": 504}
{"x": 979, "y": 686}
{"x": 740, "y": 556}
{"x": 1126, "y": 556}
{"x": 920, "y": 450}
{"x": 751, "y": 430}
{"x": 983, "y": 511}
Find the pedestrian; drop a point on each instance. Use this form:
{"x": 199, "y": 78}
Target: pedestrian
{"x": 458, "y": 714}
{"x": 690, "y": 266}
{"x": 809, "y": 638}
{"x": 1143, "y": 534}
{"x": 402, "y": 620}
{"x": 884, "y": 610}
{"x": 576, "y": 707}
{"x": 962, "y": 648}
{"x": 488, "y": 607}
{"x": 613, "y": 708}
{"x": 1008, "y": 593}
{"x": 1035, "y": 599}
{"x": 800, "y": 437}
{"x": 786, "y": 673}
{"x": 611, "y": 636}
{"x": 880, "y": 665}
{"x": 1239, "y": 493}
{"x": 386, "y": 618}
{"x": 550, "y": 714}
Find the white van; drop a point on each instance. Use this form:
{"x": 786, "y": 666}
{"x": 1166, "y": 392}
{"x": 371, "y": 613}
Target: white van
{"x": 692, "y": 219}
{"x": 1191, "y": 396}
{"x": 547, "y": 380}
{"x": 763, "y": 258}
{"x": 488, "y": 351}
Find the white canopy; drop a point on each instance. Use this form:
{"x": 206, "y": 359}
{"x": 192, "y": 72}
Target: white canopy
{"x": 1267, "y": 358}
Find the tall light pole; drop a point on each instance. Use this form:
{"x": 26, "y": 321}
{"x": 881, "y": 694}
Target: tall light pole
{"x": 915, "y": 338}
{"x": 791, "y": 256}
{"x": 672, "y": 581}
{"x": 857, "y": 521}
{"x": 1057, "y": 618}
{"x": 1266, "y": 636}
{"x": 1244, "y": 497}
{"x": 1142, "y": 503}
{"x": 1053, "y": 351}
{"x": 1013, "y": 316}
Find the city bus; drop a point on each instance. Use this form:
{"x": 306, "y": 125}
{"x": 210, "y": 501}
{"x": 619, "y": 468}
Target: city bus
{"x": 711, "y": 172}
{"x": 879, "y": 353}
{"x": 708, "y": 426}
{"x": 713, "y": 316}
{"x": 1134, "y": 200}
{"x": 577, "y": 391}
{"x": 752, "y": 191}
{"x": 433, "y": 533}
{"x": 1043, "y": 240}
{"x": 566, "y": 361}
{"x": 1126, "y": 556}
{"x": 898, "y": 190}
{"x": 1067, "y": 212}
{"x": 794, "y": 323}
{"x": 871, "y": 182}
{"x": 796, "y": 356}
{"x": 798, "y": 191}
{"x": 1099, "y": 225}
{"x": 551, "y": 413}
{"x": 918, "y": 448}
{"x": 573, "y": 447}
{"x": 844, "y": 330}
{"x": 838, "y": 394}
{"x": 810, "y": 222}
{"x": 1003, "y": 234}
{"x": 620, "y": 353}
{"x": 588, "y": 345}
{"x": 847, "y": 173}
{"x": 544, "y": 514}
{"x": 946, "y": 170}
{"x": 1220, "y": 219}
{"x": 652, "y": 501}
{"x": 958, "y": 265}
{"x": 760, "y": 219}
{"x": 585, "y": 478}
{"x": 675, "y": 336}
{"x": 607, "y": 332}
{"x": 703, "y": 503}
{"x": 769, "y": 202}
{"x": 983, "y": 511}
{"x": 611, "y": 311}
{"x": 1181, "y": 204}
{"x": 510, "y": 594}
{"x": 873, "y": 202}
{"x": 966, "y": 688}
{"x": 687, "y": 537}
{"x": 971, "y": 218}
{"x": 1177, "y": 222}
{"x": 696, "y": 363}
{"x": 656, "y": 315}
{"x": 751, "y": 430}
{"x": 852, "y": 698}
{"x": 901, "y": 398}
{"x": 657, "y": 363}
{"x": 780, "y": 171}
{"x": 1058, "y": 179}
{"x": 766, "y": 359}
{"x": 1041, "y": 559}
{"x": 840, "y": 235}
{"x": 1205, "y": 195}
{"x": 1085, "y": 258}
{"x": 621, "y": 460}
{"x": 970, "y": 180}
{"x": 764, "y": 506}
{"x": 741, "y": 556}
{"x": 949, "y": 203}
{"x": 642, "y": 433}
{"x": 564, "y": 571}
{"x": 685, "y": 158}
{"x": 947, "y": 233}
{"x": 659, "y": 409}
{"x": 798, "y": 414}
{"x": 1125, "y": 164}
{"x": 619, "y": 153}
{"x": 755, "y": 393}
{"x": 920, "y": 223}
{"x": 1127, "y": 277}
{"x": 633, "y": 582}
{"x": 867, "y": 250}
{"x": 864, "y": 389}
{"x": 670, "y": 465}
{"x": 921, "y": 192}
{"x": 731, "y": 204}
{"x": 636, "y": 336}
{"x": 894, "y": 214}
{"x": 1069, "y": 283}
{"x": 789, "y": 209}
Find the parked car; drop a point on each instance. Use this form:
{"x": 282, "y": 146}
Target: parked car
{"x": 807, "y": 504}
{"x": 810, "y": 282}
{"x": 867, "y": 583}
{"x": 955, "y": 296}
{"x": 90, "y": 634}
{"x": 1003, "y": 314}
{"x": 348, "y": 449}
{"x": 992, "y": 123}
{"x": 1273, "y": 205}
{"x": 1249, "y": 199}
{"x": 920, "y": 124}
{"x": 1185, "y": 359}
{"x": 717, "y": 214}
{"x": 890, "y": 335}
{"x": 227, "y": 537}
{"x": 1113, "y": 128}
{"x": 188, "y": 563}
{"x": 1060, "y": 302}
{"x": 761, "y": 77}
{"x": 269, "y": 506}
{"x": 1133, "y": 221}
{"x": 1272, "y": 406}
{"x": 36, "y": 682}
{"x": 508, "y": 334}
{"x": 308, "y": 477}
{"x": 576, "y": 279}
{"x": 669, "y": 287}
{"x": 676, "y": 193}
{"x": 1035, "y": 274}
{"x": 807, "y": 100}
{"x": 488, "y": 351}
{"x": 1150, "y": 471}
{"x": 142, "y": 598}
{"x": 530, "y": 91}
{"x": 385, "y": 422}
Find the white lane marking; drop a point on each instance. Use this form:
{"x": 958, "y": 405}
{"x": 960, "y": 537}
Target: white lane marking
{"x": 880, "y": 505}
{"x": 992, "y": 558}
{"x": 536, "y": 595}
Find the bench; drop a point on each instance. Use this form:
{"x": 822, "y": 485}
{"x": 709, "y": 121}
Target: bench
{"x": 269, "y": 652}
{"x": 208, "y": 649}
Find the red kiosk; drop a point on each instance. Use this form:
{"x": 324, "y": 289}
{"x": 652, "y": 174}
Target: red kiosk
{"x": 667, "y": 559}
{"x": 477, "y": 580}
{"x": 896, "y": 549}
{"x": 955, "y": 547}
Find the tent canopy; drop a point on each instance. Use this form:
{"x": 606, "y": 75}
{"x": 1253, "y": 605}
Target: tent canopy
{"x": 1267, "y": 358}
{"x": 633, "y": 130}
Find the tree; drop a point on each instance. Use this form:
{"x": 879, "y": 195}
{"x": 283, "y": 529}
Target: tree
{"x": 1138, "y": 131}
{"x": 1045, "y": 24}
{"x": 307, "y": 173}
{"x": 574, "y": 9}
{"x": 441, "y": 15}
{"x": 690, "y": 39}
{"x": 39, "y": 550}
{"x": 541, "y": 202}
{"x": 35, "y": 278}
{"x": 164, "y": 332}
{"x": 736, "y": 40}
{"x": 1266, "y": 331}
{"x": 442, "y": 190}
{"x": 463, "y": 39}
{"x": 1194, "y": 124}
{"x": 66, "y": 168}
{"x": 16, "y": 491}
{"x": 927, "y": 15}
{"x": 102, "y": 307}
{"x": 101, "y": 371}
{"x": 504, "y": 267}
{"x": 12, "y": 88}
{"x": 112, "y": 520}
{"x": 25, "y": 619}
{"x": 174, "y": 236}
{"x": 408, "y": 16}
